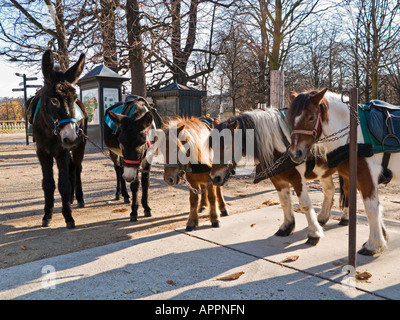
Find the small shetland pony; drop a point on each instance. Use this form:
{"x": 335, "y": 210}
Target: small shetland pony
{"x": 320, "y": 113}
{"x": 58, "y": 119}
{"x": 184, "y": 144}
{"x": 271, "y": 136}
{"x": 128, "y": 147}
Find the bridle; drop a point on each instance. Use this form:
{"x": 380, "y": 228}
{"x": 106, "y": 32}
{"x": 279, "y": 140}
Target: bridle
{"x": 313, "y": 132}
{"x": 138, "y": 162}
{"x": 57, "y": 122}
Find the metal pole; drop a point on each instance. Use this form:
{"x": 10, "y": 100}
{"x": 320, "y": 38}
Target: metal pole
{"x": 26, "y": 113}
{"x": 353, "y": 176}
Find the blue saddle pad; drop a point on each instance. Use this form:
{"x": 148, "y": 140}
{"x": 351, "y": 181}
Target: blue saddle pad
{"x": 111, "y": 124}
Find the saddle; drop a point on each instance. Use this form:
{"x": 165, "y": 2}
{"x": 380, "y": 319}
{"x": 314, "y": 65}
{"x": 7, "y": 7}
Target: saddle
{"x": 380, "y": 125}
{"x": 384, "y": 123}
{"x": 127, "y": 108}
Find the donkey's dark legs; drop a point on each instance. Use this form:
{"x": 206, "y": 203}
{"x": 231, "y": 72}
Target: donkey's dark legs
{"x": 64, "y": 187}
{"x": 121, "y": 184}
{"x": 48, "y": 186}
{"x": 145, "y": 190}
{"x": 77, "y": 161}
{"x": 135, "y": 204}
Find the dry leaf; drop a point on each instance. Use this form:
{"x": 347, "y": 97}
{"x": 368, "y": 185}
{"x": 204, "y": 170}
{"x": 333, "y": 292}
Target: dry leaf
{"x": 232, "y": 276}
{"x": 241, "y": 195}
{"x": 128, "y": 291}
{"x": 171, "y": 282}
{"x": 394, "y": 201}
{"x": 120, "y": 210}
{"x": 270, "y": 203}
{"x": 290, "y": 259}
{"x": 23, "y": 247}
{"x": 252, "y": 225}
{"x": 363, "y": 275}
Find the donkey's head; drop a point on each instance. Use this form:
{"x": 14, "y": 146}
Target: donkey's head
{"x": 59, "y": 97}
{"x": 133, "y": 141}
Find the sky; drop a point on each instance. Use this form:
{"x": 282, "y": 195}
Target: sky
{"x": 8, "y": 80}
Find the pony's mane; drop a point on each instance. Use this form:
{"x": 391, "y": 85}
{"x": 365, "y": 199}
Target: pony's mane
{"x": 268, "y": 126}
{"x": 196, "y": 134}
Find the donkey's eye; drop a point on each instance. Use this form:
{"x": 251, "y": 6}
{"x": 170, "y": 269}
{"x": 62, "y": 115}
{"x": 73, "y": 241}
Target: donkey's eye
{"x": 312, "y": 118}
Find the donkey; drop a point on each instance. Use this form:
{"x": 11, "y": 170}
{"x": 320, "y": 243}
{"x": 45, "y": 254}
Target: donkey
{"x": 128, "y": 142}
{"x": 58, "y": 121}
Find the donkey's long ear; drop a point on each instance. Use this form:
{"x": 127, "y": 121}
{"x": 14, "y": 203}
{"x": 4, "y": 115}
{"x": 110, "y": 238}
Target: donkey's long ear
{"x": 47, "y": 64}
{"x": 117, "y": 118}
{"x": 73, "y": 73}
{"x": 145, "y": 121}
{"x": 317, "y": 98}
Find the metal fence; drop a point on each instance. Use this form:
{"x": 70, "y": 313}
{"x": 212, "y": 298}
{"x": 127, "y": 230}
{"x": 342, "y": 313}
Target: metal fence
{"x": 12, "y": 125}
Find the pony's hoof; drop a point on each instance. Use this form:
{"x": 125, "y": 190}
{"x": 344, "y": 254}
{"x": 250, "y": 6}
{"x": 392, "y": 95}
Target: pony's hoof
{"x": 312, "y": 241}
{"x": 365, "y": 252}
{"x": 215, "y": 224}
{"x": 190, "y": 228}
{"x": 127, "y": 200}
{"x": 323, "y": 222}
{"x": 133, "y": 218}
{"x": 46, "y": 223}
{"x": 285, "y": 232}
{"x": 147, "y": 213}
{"x": 81, "y": 204}
{"x": 343, "y": 222}
{"x": 71, "y": 225}
{"x": 224, "y": 213}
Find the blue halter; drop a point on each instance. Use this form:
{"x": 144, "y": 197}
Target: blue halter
{"x": 57, "y": 122}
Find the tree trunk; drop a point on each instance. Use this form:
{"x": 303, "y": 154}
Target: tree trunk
{"x": 136, "y": 58}
{"x": 107, "y": 24}
{"x": 277, "y": 89}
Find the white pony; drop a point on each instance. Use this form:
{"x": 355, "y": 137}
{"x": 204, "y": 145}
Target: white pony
{"x": 318, "y": 113}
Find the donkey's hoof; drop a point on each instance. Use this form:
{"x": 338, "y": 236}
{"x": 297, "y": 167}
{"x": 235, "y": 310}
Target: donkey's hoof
{"x": 70, "y": 224}
{"x": 224, "y": 213}
{"x": 133, "y": 218}
{"x": 366, "y": 252}
{"x": 312, "y": 241}
{"x": 116, "y": 197}
{"x": 202, "y": 209}
{"x": 215, "y": 224}
{"x": 127, "y": 200}
{"x": 81, "y": 204}
{"x": 343, "y": 222}
{"x": 190, "y": 228}
{"x": 147, "y": 213}
{"x": 46, "y": 223}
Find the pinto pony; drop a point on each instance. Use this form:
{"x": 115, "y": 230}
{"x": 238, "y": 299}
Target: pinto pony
{"x": 184, "y": 144}
{"x": 271, "y": 138}
{"x": 318, "y": 114}
{"x": 58, "y": 120}
{"x": 128, "y": 144}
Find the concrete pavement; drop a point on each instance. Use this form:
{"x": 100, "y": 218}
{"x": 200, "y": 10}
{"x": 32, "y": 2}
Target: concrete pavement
{"x": 179, "y": 265}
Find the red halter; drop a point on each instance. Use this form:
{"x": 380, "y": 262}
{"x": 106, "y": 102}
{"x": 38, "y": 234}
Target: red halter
{"x": 140, "y": 160}
{"x": 309, "y": 132}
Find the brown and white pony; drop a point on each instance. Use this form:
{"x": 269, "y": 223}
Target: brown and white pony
{"x": 317, "y": 114}
{"x": 184, "y": 145}
{"x": 271, "y": 134}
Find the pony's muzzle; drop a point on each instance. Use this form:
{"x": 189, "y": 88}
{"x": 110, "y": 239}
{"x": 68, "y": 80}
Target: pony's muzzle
{"x": 298, "y": 155}
{"x": 220, "y": 176}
